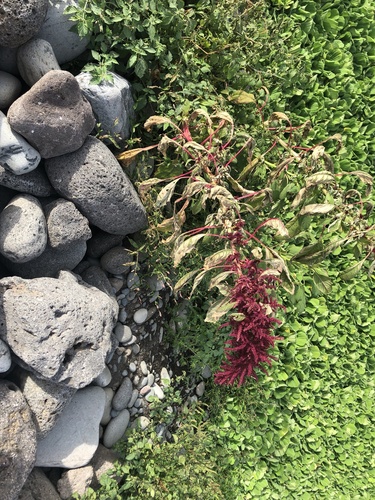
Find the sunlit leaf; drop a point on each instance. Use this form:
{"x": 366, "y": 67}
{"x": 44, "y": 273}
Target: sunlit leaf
{"x": 218, "y": 309}
{"x": 217, "y": 258}
{"x": 184, "y": 246}
{"x": 166, "y": 194}
{"x": 158, "y": 120}
{"x": 184, "y": 280}
{"x": 241, "y": 97}
{"x": 128, "y": 156}
{"x": 317, "y": 208}
{"x": 324, "y": 177}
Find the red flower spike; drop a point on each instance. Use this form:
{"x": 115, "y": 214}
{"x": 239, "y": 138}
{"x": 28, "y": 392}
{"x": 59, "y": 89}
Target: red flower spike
{"x": 251, "y": 337}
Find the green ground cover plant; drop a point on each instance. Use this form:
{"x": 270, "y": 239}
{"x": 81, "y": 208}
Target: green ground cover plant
{"x": 305, "y": 429}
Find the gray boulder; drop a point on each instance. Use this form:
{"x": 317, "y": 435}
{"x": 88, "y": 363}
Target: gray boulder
{"x": 23, "y": 229}
{"x": 59, "y": 329}
{"x": 75, "y": 437}
{"x": 10, "y": 89}
{"x": 19, "y": 21}
{"x": 65, "y": 224}
{"x": 16, "y": 155}
{"x": 112, "y": 103}
{"x": 56, "y": 29}
{"x": 35, "y": 182}
{"x": 46, "y": 400}
{"x": 34, "y": 59}
{"x": 17, "y": 440}
{"x": 38, "y": 487}
{"x": 53, "y": 115}
{"x": 95, "y": 181}
{"x": 50, "y": 262}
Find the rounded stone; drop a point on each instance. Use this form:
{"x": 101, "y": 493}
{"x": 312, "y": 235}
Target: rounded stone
{"x": 23, "y": 229}
{"x": 53, "y": 116}
{"x": 199, "y": 390}
{"x": 117, "y": 260}
{"x": 123, "y": 395}
{"x": 34, "y": 59}
{"x": 104, "y": 378}
{"x": 140, "y": 316}
{"x": 123, "y": 333}
{"x": 10, "y": 89}
{"x": 116, "y": 429}
{"x": 109, "y": 393}
{"x": 132, "y": 367}
{"x": 19, "y": 21}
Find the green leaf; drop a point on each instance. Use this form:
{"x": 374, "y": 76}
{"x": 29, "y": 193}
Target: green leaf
{"x": 352, "y": 271}
{"x": 218, "y": 279}
{"x": 322, "y": 283}
{"x": 241, "y": 97}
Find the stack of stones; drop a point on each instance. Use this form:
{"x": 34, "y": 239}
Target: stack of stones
{"x": 79, "y": 339}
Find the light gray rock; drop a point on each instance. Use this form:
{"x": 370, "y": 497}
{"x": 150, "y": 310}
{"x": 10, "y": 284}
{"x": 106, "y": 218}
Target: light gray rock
{"x": 56, "y": 29}
{"x": 75, "y": 437}
{"x": 109, "y": 393}
{"x": 17, "y": 440}
{"x": 95, "y": 276}
{"x": 38, "y": 487}
{"x": 46, "y": 400}
{"x": 75, "y": 481}
{"x": 165, "y": 378}
{"x": 112, "y": 103}
{"x": 94, "y": 180}
{"x": 50, "y": 262}
{"x": 133, "y": 398}
{"x": 123, "y": 395}
{"x": 53, "y": 116}
{"x": 10, "y": 89}
{"x": 23, "y": 229}
{"x": 65, "y": 224}
{"x": 19, "y": 21}
{"x": 123, "y": 333}
{"x": 158, "y": 391}
{"x": 5, "y": 357}
{"x": 34, "y": 59}
{"x": 118, "y": 260}
{"x": 199, "y": 390}
{"x": 16, "y": 155}
{"x": 60, "y": 329}
{"x": 140, "y": 316}
{"x": 35, "y": 182}
{"x": 116, "y": 429}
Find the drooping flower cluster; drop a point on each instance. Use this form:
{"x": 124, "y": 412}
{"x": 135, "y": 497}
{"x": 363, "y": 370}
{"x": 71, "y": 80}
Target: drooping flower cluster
{"x": 251, "y": 326}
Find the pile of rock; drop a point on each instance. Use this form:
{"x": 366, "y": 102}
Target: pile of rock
{"x": 71, "y": 315}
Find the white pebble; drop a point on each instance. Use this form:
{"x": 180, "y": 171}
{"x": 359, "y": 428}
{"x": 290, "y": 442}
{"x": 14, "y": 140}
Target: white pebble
{"x": 140, "y": 316}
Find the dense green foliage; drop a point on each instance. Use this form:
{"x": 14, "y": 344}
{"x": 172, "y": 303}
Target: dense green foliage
{"x": 305, "y": 430}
